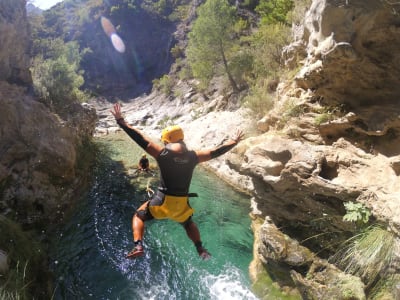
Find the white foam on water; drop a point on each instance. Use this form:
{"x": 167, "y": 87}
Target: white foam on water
{"x": 228, "y": 286}
{"x": 157, "y": 292}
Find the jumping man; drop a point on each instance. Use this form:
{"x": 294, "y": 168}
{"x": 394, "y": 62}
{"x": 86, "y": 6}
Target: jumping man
{"x": 176, "y": 164}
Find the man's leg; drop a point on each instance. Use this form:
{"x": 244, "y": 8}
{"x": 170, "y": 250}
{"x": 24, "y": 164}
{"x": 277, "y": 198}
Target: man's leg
{"x": 194, "y": 234}
{"x": 138, "y": 222}
{"x": 138, "y": 231}
{"x": 192, "y": 231}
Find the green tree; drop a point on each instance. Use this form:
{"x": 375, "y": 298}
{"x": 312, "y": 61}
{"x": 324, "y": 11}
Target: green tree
{"x": 266, "y": 46}
{"x": 57, "y": 78}
{"x": 212, "y": 40}
{"x": 275, "y": 11}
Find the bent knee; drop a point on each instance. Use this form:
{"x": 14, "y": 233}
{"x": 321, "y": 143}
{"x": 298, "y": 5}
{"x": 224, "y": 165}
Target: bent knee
{"x": 144, "y": 214}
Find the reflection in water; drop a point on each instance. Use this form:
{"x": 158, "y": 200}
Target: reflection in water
{"x": 89, "y": 253}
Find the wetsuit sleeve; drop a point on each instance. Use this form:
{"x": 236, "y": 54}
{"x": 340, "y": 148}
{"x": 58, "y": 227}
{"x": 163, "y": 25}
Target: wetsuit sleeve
{"x": 221, "y": 150}
{"x": 133, "y": 133}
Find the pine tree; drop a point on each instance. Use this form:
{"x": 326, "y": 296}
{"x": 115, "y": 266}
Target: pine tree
{"x": 211, "y": 41}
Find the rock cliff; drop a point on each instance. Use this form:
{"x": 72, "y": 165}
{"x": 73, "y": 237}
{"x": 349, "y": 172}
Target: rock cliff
{"x": 332, "y": 137}
{"x": 339, "y": 159}
{"x": 40, "y": 152}
{"x": 14, "y": 41}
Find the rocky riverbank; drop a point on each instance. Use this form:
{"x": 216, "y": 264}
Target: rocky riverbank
{"x": 204, "y": 122}
{"x": 331, "y": 139}
{"x": 328, "y": 149}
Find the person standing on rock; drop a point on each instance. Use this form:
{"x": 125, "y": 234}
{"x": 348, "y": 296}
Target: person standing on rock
{"x": 176, "y": 164}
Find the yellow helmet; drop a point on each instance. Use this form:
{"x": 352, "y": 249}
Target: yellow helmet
{"x": 172, "y": 134}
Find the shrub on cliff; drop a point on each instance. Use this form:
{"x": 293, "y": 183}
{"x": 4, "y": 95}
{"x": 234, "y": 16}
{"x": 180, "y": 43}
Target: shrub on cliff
{"x": 371, "y": 255}
{"x": 275, "y": 11}
{"x": 57, "y": 78}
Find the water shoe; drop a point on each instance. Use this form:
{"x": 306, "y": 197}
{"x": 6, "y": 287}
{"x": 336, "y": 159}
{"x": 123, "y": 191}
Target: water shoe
{"x": 203, "y": 253}
{"x": 136, "y": 252}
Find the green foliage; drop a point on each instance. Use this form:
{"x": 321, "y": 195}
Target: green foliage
{"x": 159, "y": 7}
{"x": 369, "y": 254}
{"x": 166, "y": 121}
{"x": 241, "y": 66}
{"x": 181, "y": 12}
{"x": 249, "y": 4}
{"x": 327, "y": 113}
{"x": 275, "y": 11}
{"x": 55, "y": 68}
{"x": 26, "y": 260}
{"x": 356, "y": 212}
{"x": 260, "y": 100}
{"x": 69, "y": 18}
{"x": 211, "y": 41}
{"x": 266, "y": 46}
{"x": 173, "y": 10}
{"x": 241, "y": 25}
{"x": 177, "y": 51}
{"x": 323, "y": 118}
{"x": 6, "y": 295}
{"x": 296, "y": 16}
{"x": 165, "y": 84}
{"x": 57, "y": 77}
{"x": 120, "y": 10}
{"x": 185, "y": 72}
{"x": 291, "y": 109}
{"x": 263, "y": 64}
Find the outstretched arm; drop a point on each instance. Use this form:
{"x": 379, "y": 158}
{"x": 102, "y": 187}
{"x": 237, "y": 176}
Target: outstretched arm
{"x": 204, "y": 155}
{"x": 135, "y": 134}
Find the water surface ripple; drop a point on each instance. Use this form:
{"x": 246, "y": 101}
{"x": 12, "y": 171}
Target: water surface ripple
{"x": 88, "y": 256}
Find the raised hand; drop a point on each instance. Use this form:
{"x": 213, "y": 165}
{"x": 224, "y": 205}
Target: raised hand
{"x": 239, "y": 135}
{"x": 117, "y": 111}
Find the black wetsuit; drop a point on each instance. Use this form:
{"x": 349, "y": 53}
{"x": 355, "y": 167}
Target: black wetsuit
{"x": 176, "y": 171}
{"x": 171, "y": 199}
{"x": 176, "y": 174}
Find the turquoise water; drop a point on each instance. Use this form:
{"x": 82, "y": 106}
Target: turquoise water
{"x": 88, "y": 256}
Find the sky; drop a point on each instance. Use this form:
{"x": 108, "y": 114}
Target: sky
{"x": 45, "y": 4}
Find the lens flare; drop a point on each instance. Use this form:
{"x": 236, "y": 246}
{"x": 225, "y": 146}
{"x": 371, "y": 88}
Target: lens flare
{"x": 108, "y": 27}
{"x": 110, "y": 31}
{"x": 118, "y": 43}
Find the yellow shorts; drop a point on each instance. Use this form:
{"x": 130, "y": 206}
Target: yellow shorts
{"x": 174, "y": 208}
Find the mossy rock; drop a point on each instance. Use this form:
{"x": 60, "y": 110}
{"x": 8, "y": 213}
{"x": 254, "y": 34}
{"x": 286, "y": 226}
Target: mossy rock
{"x": 266, "y": 289}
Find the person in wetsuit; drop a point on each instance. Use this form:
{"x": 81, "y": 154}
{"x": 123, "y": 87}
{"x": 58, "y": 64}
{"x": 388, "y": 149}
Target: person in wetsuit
{"x": 144, "y": 164}
{"x": 176, "y": 164}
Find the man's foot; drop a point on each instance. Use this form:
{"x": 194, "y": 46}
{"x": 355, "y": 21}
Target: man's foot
{"x": 203, "y": 253}
{"x": 136, "y": 252}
